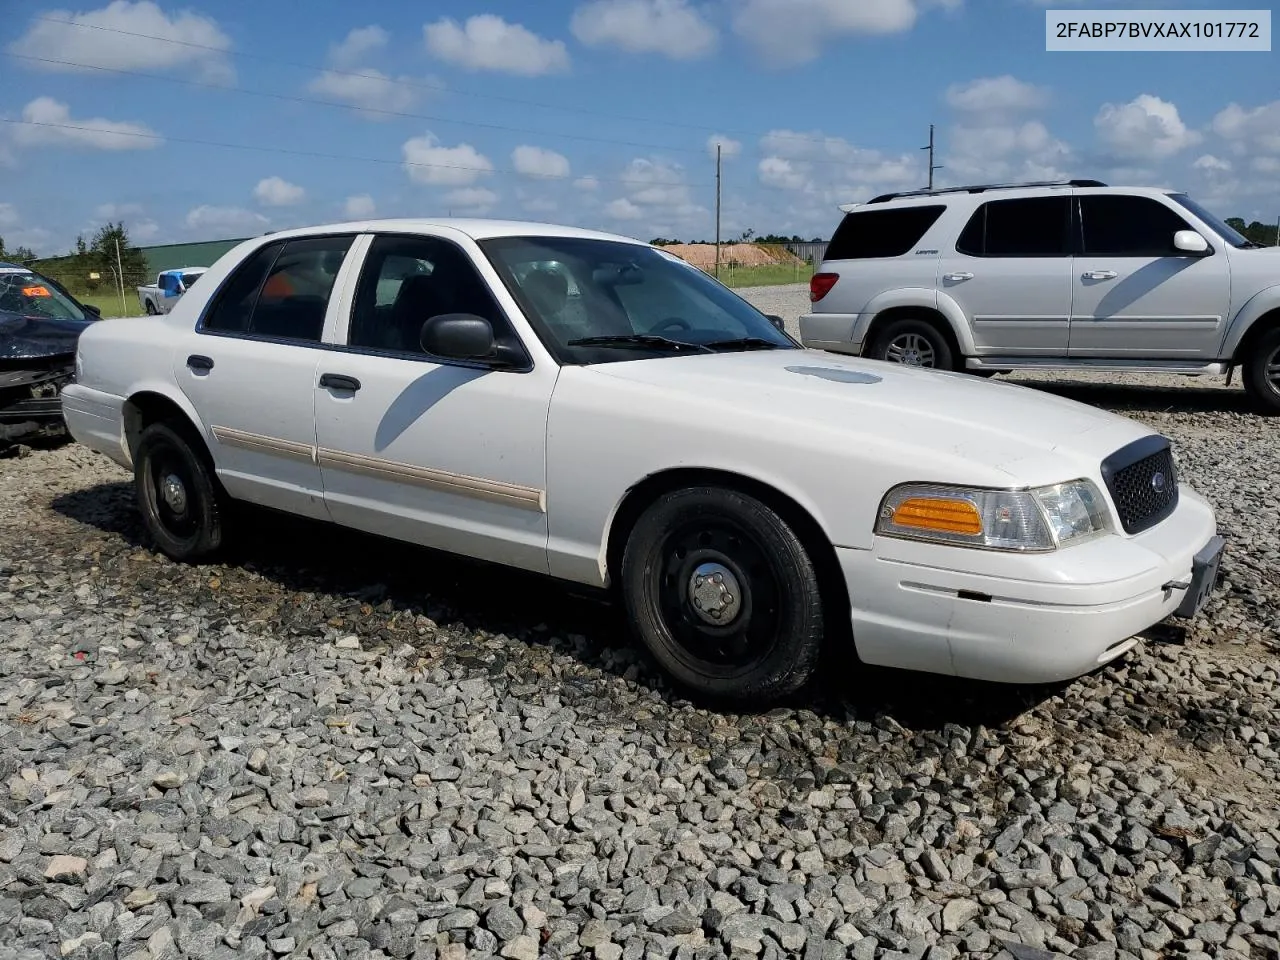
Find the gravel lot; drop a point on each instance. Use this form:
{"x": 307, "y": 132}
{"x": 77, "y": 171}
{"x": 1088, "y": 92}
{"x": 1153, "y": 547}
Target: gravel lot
{"x": 295, "y": 754}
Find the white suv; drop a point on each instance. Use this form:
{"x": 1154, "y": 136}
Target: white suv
{"x": 1065, "y": 274}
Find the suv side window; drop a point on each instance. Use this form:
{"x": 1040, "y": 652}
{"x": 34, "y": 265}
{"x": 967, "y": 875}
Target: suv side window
{"x": 282, "y": 291}
{"x": 867, "y": 234}
{"x": 405, "y": 281}
{"x": 1025, "y": 227}
{"x": 1128, "y": 226}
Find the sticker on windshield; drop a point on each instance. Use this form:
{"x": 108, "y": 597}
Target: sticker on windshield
{"x": 36, "y": 292}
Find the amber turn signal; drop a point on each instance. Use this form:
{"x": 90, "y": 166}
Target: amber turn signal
{"x": 935, "y": 513}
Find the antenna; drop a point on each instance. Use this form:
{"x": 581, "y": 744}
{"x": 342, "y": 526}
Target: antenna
{"x": 932, "y": 166}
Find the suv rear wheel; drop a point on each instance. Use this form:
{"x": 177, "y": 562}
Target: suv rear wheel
{"x": 1262, "y": 373}
{"x": 914, "y": 342}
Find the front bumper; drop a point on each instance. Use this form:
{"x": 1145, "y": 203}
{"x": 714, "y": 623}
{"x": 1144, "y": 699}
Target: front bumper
{"x": 837, "y": 332}
{"x": 1006, "y": 618}
{"x": 30, "y": 404}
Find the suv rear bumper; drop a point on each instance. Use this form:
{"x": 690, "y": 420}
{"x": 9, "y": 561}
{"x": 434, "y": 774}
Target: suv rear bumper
{"x": 837, "y": 332}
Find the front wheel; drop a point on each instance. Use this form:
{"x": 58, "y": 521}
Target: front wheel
{"x": 182, "y": 504}
{"x": 724, "y": 595}
{"x": 913, "y": 342}
{"x": 1262, "y": 373}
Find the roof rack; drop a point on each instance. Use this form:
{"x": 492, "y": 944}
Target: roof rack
{"x": 982, "y": 187}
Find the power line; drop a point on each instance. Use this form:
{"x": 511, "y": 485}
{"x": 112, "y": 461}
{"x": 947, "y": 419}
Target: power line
{"x": 439, "y": 87}
{"x": 649, "y": 182}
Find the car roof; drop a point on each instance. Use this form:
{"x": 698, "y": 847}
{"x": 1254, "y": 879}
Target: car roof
{"x": 14, "y": 267}
{"x": 978, "y": 192}
{"x": 473, "y": 227}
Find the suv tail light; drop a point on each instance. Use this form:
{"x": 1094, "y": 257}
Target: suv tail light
{"x": 820, "y": 285}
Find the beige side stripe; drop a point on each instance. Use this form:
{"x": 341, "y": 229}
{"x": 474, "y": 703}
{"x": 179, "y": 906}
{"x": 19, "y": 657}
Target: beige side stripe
{"x": 494, "y": 491}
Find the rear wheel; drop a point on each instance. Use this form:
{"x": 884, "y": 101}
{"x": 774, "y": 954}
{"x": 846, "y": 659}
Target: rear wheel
{"x": 913, "y": 342}
{"x": 182, "y": 503}
{"x": 151, "y": 309}
{"x": 1262, "y": 373}
{"x": 724, "y": 595}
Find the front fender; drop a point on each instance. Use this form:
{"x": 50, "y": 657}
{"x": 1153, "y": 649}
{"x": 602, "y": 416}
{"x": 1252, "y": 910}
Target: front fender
{"x": 1260, "y": 304}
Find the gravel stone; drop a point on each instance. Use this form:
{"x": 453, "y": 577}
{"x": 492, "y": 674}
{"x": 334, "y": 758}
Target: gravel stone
{"x": 198, "y": 761}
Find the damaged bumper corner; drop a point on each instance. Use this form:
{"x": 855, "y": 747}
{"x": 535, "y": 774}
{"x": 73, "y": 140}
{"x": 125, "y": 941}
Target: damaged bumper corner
{"x": 31, "y": 398}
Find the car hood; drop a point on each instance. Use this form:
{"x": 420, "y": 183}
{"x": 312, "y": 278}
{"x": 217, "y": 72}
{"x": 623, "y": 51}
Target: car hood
{"x": 35, "y": 338}
{"x": 1019, "y": 431}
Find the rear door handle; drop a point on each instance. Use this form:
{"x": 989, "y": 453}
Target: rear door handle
{"x": 338, "y": 381}
{"x": 199, "y": 362}
{"x": 955, "y": 277}
{"x": 1100, "y": 275}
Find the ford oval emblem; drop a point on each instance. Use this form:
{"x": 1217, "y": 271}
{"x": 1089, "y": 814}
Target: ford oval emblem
{"x": 1158, "y": 482}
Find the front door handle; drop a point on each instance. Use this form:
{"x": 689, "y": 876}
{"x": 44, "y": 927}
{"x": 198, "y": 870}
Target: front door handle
{"x": 1100, "y": 275}
{"x": 956, "y": 277}
{"x": 338, "y": 381}
{"x": 199, "y": 362}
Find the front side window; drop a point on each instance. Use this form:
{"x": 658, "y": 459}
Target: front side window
{"x": 1128, "y": 226}
{"x": 635, "y": 298}
{"x": 405, "y": 281}
{"x": 867, "y": 234}
{"x": 1216, "y": 223}
{"x": 1025, "y": 227}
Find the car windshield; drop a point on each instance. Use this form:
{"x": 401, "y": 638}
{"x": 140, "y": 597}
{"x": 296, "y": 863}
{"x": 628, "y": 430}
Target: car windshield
{"x": 1221, "y": 227}
{"x": 31, "y": 295}
{"x": 596, "y": 301}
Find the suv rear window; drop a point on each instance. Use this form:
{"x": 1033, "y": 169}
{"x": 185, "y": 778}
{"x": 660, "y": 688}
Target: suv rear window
{"x": 1025, "y": 227}
{"x": 864, "y": 234}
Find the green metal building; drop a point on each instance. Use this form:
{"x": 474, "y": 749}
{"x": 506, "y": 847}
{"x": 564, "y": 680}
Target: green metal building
{"x": 168, "y": 256}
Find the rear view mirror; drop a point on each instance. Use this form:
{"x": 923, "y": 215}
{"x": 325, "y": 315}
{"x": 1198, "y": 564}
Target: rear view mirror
{"x": 777, "y": 321}
{"x": 1188, "y": 241}
{"x": 458, "y": 336}
{"x": 92, "y": 309}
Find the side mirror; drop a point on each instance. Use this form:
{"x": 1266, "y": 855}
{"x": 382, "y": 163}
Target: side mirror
{"x": 777, "y": 321}
{"x": 458, "y": 336}
{"x": 1188, "y": 241}
{"x": 92, "y": 308}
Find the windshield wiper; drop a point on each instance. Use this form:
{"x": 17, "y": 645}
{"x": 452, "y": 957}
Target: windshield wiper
{"x": 640, "y": 340}
{"x": 746, "y": 343}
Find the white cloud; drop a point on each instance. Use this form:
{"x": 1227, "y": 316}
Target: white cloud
{"x": 9, "y": 215}
{"x": 109, "y": 37}
{"x": 143, "y": 231}
{"x": 359, "y": 207}
{"x": 487, "y": 42}
{"x": 1210, "y": 163}
{"x": 117, "y": 211}
{"x": 780, "y": 173}
{"x": 426, "y": 161}
{"x": 623, "y": 209}
{"x": 356, "y": 44}
{"x": 476, "y": 201}
{"x": 227, "y": 221}
{"x": 1145, "y": 128}
{"x": 831, "y": 168}
{"x": 792, "y": 32}
{"x": 538, "y": 162}
{"x": 277, "y": 192}
{"x": 729, "y": 148}
{"x": 53, "y": 126}
{"x": 996, "y": 95}
{"x": 1250, "y": 129}
{"x": 537, "y": 204}
{"x": 672, "y": 28}
{"x": 587, "y": 184}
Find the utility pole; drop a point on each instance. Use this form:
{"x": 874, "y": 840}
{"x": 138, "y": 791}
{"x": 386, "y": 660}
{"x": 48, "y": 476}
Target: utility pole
{"x": 932, "y": 166}
{"x": 1278, "y": 231}
{"x": 718, "y": 211}
{"x": 120, "y": 279}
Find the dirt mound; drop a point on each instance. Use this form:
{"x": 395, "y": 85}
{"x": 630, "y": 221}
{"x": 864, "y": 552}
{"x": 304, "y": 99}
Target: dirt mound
{"x": 703, "y": 255}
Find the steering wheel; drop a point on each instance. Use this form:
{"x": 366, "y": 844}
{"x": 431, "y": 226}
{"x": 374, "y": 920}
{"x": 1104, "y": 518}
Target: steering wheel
{"x": 671, "y": 323}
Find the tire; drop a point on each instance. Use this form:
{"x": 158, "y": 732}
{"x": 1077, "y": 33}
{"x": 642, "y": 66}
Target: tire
{"x": 771, "y": 647}
{"x": 1262, "y": 373}
{"x": 912, "y": 337}
{"x": 151, "y": 309}
{"x": 190, "y": 525}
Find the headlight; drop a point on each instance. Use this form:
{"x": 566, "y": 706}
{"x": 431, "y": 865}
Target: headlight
{"x": 1026, "y": 521}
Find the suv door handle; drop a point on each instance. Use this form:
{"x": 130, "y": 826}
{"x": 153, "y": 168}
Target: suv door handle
{"x": 198, "y": 362}
{"x": 339, "y": 381}
{"x": 1100, "y": 275}
{"x": 954, "y": 277}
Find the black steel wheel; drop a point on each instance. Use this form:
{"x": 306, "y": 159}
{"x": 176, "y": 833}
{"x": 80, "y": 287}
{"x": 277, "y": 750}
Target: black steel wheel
{"x": 182, "y": 503}
{"x": 724, "y": 595}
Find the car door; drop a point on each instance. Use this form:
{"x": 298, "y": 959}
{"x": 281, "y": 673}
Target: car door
{"x": 448, "y": 454}
{"x": 1010, "y": 273}
{"x": 1135, "y": 294}
{"x": 249, "y": 368}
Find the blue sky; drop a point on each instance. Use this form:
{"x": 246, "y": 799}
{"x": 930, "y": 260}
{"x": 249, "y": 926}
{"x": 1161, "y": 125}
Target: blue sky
{"x": 206, "y": 120}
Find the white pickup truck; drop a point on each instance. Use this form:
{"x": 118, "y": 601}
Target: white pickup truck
{"x": 169, "y": 287}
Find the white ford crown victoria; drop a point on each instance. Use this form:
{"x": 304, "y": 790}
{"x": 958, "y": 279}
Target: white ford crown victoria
{"x": 588, "y": 407}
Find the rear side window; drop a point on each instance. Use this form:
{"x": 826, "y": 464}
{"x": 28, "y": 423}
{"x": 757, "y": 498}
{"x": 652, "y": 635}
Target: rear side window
{"x": 1119, "y": 226}
{"x": 1026, "y": 227}
{"x": 234, "y": 304}
{"x": 866, "y": 234}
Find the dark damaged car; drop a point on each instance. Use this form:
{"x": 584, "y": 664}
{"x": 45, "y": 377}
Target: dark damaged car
{"x": 40, "y": 323}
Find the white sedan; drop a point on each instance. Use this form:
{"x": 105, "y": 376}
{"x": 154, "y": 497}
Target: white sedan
{"x": 588, "y": 407}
